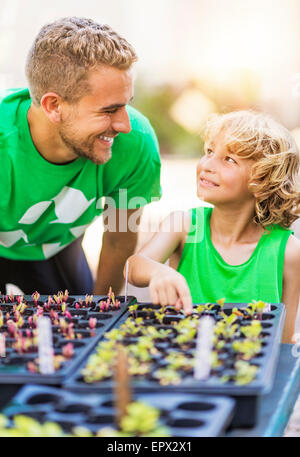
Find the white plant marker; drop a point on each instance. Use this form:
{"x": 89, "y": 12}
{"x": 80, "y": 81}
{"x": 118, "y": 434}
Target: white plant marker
{"x": 204, "y": 348}
{"x": 267, "y": 308}
{"x": 126, "y": 280}
{"x": 45, "y": 345}
{"x": 2, "y": 345}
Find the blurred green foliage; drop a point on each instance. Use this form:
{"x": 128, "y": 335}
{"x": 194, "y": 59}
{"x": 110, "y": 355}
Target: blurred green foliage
{"x": 240, "y": 91}
{"x": 155, "y": 103}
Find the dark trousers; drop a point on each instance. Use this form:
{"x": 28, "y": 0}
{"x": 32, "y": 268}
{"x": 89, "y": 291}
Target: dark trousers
{"x": 66, "y": 270}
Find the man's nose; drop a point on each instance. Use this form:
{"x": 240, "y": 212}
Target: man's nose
{"x": 121, "y": 122}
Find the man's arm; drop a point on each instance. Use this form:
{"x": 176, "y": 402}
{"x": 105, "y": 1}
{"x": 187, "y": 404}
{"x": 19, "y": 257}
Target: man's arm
{"x": 291, "y": 287}
{"x": 118, "y": 243}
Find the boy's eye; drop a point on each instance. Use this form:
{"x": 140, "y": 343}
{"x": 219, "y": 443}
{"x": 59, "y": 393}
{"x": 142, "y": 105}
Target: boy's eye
{"x": 209, "y": 151}
{"x": 230, "y": 159}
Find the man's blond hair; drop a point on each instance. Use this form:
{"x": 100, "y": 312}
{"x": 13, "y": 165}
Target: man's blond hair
{"x": 65, "y": 50}
{"x": 275, "y": 173}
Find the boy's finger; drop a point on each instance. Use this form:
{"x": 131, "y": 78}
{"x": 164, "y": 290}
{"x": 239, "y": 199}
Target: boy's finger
{"x": 172, "y": 295}
{"x": 154, "y": 296}
{"x": 163, "y": 299}
{"x": 185, "y": 297}
{"x": 178, "y": 305}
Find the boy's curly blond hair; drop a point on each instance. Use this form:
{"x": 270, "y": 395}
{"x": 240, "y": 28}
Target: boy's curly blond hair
{"x": 66, "y": 49}
{"x": 274, "y": 176}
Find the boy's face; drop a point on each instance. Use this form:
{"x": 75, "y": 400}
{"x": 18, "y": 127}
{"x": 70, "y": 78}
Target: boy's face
{"x": 222, "y": 177}
{"x": 89, "y": 126}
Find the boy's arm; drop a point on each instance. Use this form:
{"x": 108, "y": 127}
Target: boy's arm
{"x": 146, "y": 268}
{"x": 291, "y": 287}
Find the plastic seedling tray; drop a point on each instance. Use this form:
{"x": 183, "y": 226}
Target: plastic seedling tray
{"x": 184, "y": 414}
{"x": 14, "y": 365}
{"x": 247, "y": 396}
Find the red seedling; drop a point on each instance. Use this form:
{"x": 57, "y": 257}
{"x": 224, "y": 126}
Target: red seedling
{"x": 32, "y": 367}
{"x": 88, "y": 299}
{"x": 92, "y": 322}
{"x": 68, "y": 315}
{"x": 40, "y": 311}
{"x": 35, "y": 297}
{"x": 19, "y": 299}
{"x": 65, "y": 295}
{"x": 12, "y": 328}
{"x": 68, "y": 351}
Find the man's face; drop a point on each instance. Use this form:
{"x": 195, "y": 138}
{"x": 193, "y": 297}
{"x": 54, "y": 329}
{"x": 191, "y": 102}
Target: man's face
{"x": 89, "y": 126}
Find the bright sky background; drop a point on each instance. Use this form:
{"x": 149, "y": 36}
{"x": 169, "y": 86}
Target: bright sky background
{"x": 180, "y": 39}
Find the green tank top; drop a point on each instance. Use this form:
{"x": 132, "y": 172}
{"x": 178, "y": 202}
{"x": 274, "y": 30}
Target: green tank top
{"x": 209, "y": 277}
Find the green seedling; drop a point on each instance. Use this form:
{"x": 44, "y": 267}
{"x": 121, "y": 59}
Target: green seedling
{"x": 178, "y": 361}
{"x": 167, "y": 376}
{"x": 245, "y": 372}
{"x": 253, "y": 330}
{"x": 140, "y": 420}
{"x": 247, "y": 348}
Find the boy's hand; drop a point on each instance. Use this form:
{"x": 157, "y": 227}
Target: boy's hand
{"x": 170, "y": 288}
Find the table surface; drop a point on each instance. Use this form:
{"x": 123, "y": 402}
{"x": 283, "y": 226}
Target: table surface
{"x": 276, "y": 407}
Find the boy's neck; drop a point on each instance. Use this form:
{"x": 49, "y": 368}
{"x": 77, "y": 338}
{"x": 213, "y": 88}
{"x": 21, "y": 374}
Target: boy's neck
{"x": 234, "y": 225}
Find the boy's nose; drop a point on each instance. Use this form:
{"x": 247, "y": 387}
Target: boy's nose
{"x": 207, "y": 164}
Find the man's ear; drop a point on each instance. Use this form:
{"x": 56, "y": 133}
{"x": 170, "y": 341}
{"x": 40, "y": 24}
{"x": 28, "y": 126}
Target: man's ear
{"x": 51, "y": 104}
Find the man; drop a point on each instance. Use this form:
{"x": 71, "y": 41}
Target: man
{"x": 65, "y": 143}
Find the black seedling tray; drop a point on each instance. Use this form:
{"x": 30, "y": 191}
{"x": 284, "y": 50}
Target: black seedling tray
{"x": 13, "y": 367}
{"x": 184, "y": 414}
{"x": 246, "y": 396}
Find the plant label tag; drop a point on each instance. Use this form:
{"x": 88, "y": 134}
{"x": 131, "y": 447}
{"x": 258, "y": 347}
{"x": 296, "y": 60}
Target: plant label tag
{"x": 2, "y": 345}
{"x": 204, "y": 347}
{"x": 45, "y": 345}
{"x": 267, "y": 308}
{"x": 126, "y": 281}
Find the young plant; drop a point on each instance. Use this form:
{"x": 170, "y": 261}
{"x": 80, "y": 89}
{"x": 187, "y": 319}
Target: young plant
{"x": 167, "y": 376}
{"x": 68, "y": 351}
{"x": 245, "y": 372}
{"x": 35, "y": 297}
{"x": 253, "y": 330}
{"x": 247, "y": 349}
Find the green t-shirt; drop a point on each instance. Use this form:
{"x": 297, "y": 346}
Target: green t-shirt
{"x": 210, "y": 278}
{"x": 46, "y": 206}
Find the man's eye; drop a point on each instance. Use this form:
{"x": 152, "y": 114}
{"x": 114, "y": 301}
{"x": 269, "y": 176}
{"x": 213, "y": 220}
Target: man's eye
{"x": 111, "y": 111}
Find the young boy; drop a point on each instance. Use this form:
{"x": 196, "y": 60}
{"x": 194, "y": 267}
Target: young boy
{"x": 242, "y": 248}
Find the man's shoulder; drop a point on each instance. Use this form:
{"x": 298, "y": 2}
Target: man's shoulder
{"x": 12, "y": 96}
{"x": 10, "y": 100}
{"x": 139, "y": 122}
{"x": 141, "y": 138}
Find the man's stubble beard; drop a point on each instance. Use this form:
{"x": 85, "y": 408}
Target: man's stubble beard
{"x": 84, "y": 149}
